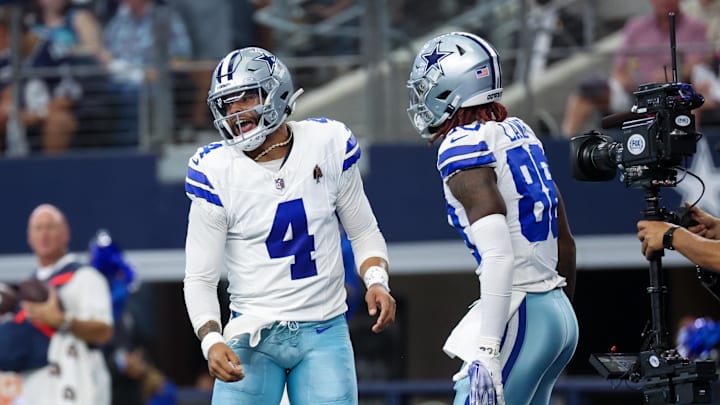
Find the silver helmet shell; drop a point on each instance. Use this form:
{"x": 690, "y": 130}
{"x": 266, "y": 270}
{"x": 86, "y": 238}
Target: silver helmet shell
{"x": 244, "y": 71}
{"x": 451, "y": 71}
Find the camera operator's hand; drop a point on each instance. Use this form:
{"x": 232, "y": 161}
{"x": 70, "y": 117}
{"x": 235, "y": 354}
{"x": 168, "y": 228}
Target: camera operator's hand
{"x": 650, "y": 234}
{"x": 708, "y": 226}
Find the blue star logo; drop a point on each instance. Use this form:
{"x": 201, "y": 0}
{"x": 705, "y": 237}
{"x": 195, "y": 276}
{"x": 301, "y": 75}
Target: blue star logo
{"x": 433, "y": 59}
{"x": 269, "y": 59}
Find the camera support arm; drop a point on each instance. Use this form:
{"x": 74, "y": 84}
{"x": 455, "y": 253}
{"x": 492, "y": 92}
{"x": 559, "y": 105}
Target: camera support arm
{"x": 657, "y": 288}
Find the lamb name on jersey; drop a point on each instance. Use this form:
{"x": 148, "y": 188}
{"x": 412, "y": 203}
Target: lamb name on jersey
{"x": 524, "y": 181}
{"x": 282, "y": 250}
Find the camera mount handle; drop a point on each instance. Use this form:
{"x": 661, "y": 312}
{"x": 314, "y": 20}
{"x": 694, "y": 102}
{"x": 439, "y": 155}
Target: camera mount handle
{"x": 657, "y": 289}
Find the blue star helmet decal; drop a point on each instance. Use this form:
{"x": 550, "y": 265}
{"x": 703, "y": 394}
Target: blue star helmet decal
{"x": 433, "y": 59}
{"x": 269, "y": 59}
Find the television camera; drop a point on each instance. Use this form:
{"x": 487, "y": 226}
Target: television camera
{"x": 658, "y": 134}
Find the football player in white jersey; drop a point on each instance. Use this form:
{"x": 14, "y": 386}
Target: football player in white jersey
{"x": 502, "y": 199}
{"x": 265, "y": 206}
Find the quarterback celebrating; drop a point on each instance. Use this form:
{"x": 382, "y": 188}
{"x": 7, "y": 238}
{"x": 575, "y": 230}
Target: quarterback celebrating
{"x": 265, "y": 206}
{"x": 502, "y": 199}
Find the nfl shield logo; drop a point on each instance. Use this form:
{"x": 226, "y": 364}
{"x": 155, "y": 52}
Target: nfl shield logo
{"x": 279, "y": 183}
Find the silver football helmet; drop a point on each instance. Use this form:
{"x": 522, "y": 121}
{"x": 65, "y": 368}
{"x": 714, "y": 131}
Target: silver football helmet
{"x": 451, "y": 71}
{"x": 250, "y": 74}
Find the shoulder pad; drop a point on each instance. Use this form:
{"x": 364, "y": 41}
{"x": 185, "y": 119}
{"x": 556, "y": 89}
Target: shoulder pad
{"x": 197, "y": 183}
{"x": 465, "y": 148}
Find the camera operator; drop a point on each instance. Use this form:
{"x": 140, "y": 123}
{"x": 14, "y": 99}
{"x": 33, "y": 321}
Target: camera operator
{"x": 699, "y": 243}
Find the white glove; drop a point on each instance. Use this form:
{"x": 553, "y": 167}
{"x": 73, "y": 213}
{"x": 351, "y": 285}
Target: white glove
{"x": 485, "y": 374}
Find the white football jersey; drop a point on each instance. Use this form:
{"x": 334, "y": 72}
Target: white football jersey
{"x": 524, "y": 180}
{"x": 282, "y": 245}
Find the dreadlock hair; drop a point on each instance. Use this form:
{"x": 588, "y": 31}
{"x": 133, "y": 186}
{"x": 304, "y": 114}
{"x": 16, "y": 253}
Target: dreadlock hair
{"x": 481, "y": 113}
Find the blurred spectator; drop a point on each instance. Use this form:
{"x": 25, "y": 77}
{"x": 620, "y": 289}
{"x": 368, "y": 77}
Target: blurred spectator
{"x": 135, "y": 380}
{"x": 707, "y": 11}
{"x": 103, "y": 9}
{"x": 210, "y": 42}
{"x": 705, "y": 76}
{"x": 58, "y": 36}
{"x": 107, "y": 257}
{"x": 74, "y": 35}
{"x": 72, "y": 31}
{"x": 75, "y": 316}
{"x": 156, "y": 388}
{"x": 313, "y": 28}
{"x": 233, "y": 27}
{"x": 248, "y": 32}
{"x": 643, "y": 57}
{"x": 136, "y": 36}
{"x": 334, "y": 12}
{"x": 130, "y": 36}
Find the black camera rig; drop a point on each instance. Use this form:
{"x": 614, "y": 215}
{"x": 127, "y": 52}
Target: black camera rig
{"x": 657, "y": 135}
{"x": 665, "y": 375}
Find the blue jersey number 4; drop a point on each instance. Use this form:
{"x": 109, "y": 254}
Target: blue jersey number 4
{"x": 289, "y": 237}
{"x": 537, "y": 208}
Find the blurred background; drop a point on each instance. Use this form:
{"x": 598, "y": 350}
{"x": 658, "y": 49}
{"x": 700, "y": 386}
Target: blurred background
{"x": 100, "y": 115}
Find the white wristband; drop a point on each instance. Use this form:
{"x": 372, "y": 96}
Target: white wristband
{"x": 376, "y": 275}
{"x": 209, "y": 340}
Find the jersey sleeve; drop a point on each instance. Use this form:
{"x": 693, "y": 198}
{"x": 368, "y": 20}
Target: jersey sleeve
{"x": 352, "y": 204}
{"x": 358, "y": 219}
{"x": 352, "y": 151}
{"x": 198, "y": 185}
{"x": 205, "y": 240}
{"x": 204, "y": 249}
{"x": 465, "y": 148}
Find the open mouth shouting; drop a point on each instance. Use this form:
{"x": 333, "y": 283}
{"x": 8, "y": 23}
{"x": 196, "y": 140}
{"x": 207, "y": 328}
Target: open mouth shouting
{"x": 243, "y": 125}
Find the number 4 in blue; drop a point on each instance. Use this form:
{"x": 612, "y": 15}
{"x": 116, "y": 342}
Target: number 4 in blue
{"x": 289, "y": 237}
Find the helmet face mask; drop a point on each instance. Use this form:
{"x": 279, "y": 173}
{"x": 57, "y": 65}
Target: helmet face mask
{"x": 232, "y": 121}
{"x": 451, "y": 71}
{"x": 420, "y": 115}
{"x": 242, "y": 75}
